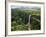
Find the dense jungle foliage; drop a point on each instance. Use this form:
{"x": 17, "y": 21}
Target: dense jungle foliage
{"x": 20, "y": 19}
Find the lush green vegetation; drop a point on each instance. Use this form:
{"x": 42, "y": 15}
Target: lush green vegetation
{"x": 20, "y": 18}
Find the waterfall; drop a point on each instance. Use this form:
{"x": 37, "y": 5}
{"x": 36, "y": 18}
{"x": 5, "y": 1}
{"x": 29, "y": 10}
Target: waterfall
{"x": 29, "y": 25}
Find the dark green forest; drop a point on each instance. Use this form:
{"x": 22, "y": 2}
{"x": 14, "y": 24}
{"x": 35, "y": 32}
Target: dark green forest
{"x": 20, "y": 19}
